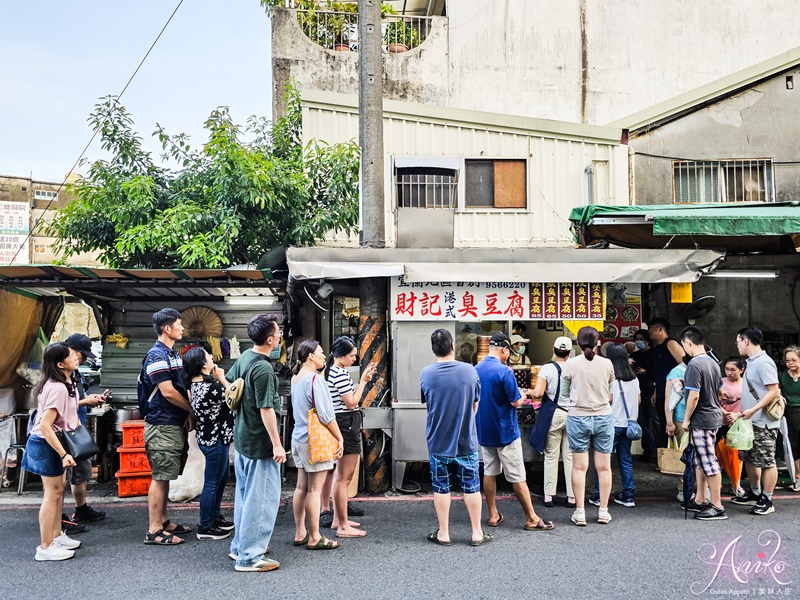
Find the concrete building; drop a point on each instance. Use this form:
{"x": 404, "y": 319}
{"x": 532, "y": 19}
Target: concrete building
{"x": 26, "y": 205}
{"x": 578, "y": 60}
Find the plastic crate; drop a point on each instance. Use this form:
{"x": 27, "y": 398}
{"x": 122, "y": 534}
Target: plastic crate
{"x": 132, "y": 484}
{"x": 133, "y": 434}
{"x": 133, "y": 460}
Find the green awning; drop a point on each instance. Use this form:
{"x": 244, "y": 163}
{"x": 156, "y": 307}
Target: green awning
{"x": 695, "y": 225}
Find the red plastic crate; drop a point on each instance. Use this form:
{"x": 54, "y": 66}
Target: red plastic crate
{"x": 135, "y": 484}
{"x": 133, "y": 434}
{"x": 133, "y": 460}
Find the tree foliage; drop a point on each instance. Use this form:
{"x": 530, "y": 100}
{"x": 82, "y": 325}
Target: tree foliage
{"x": 226, "y": 203}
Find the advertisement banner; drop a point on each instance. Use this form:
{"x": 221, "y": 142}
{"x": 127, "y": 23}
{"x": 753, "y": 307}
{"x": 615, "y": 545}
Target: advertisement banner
{"x": 14, "y": 228}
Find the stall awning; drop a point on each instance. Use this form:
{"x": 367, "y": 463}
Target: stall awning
{"x": 750, "y": 227}
{"x": 559, "y": 265}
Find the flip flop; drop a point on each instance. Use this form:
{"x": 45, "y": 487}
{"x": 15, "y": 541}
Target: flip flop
{"x": 500, "y": 520}
{"x": 542, "y": 525}
{"x": 484, "y": 540}
{"x": 302, "y": 542}
{"x": 323, "y": 544}
{"x": 179, "y": 529}
{"x": 167, "y": 539}
{"x": 434, "y": 537}
{"x": 361, "y": 533}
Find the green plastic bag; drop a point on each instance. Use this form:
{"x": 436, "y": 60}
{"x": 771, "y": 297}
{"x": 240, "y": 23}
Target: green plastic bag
{"x": 740, "y": 435}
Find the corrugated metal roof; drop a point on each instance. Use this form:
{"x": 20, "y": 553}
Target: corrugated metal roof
{"x": 690, "y": 101}
{"x": 133, "y": 284}
{"x": 513, "y": 123}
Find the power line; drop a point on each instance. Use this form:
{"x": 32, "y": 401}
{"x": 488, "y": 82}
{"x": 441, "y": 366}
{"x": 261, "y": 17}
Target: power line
{"x": 86, "y": 147}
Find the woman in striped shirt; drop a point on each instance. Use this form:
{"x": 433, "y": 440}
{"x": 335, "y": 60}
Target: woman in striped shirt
{"x": 346, "y": 398}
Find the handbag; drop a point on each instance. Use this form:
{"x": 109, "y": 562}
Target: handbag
{"x": 669, "y": 458}
{"x": 78, "y": 443}
{"x": 634, "y": 431}
{"x": 322, "y": 444}
{"x": 235, "y": 391}
{"x": 775, "y": 409}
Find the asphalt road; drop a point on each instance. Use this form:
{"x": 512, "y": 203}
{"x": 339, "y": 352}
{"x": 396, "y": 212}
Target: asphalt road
{"x": 646, "y": 552}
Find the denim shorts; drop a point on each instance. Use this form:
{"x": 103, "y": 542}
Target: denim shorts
{"x": 597, "y": 432}
{"x": 464, "y": 468}
{"x": 40, "y": 458}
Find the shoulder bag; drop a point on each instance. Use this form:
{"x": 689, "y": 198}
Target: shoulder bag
{"x": 78, "y": 443}
{"x": 634, "y": 431}
{"x": 322, "y": 444}
{"x": 775, "y": 409}
{"x": 235, "y": 391}
{"x": 544, "y": 416}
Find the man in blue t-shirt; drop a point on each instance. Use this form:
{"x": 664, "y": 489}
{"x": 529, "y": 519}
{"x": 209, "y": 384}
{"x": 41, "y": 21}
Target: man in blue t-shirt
{"x": 498, "y": 432}
{"x": 168, "y": 419}
{"x": 451, "y": 391}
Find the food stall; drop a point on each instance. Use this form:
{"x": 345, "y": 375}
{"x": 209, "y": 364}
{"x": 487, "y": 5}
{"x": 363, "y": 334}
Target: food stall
{"x": 472, "y": 292}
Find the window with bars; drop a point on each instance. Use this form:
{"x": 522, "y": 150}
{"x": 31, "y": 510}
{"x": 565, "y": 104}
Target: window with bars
{"x": 496, "y": 184}
{"x": 723, "y": 181}
{"x": 426, "y": 187}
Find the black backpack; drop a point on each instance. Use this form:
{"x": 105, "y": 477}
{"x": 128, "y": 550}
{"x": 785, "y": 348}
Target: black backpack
{"x": 145, "y": 390}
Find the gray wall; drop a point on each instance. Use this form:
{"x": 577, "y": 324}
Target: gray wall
{"x": 761, "y": 122}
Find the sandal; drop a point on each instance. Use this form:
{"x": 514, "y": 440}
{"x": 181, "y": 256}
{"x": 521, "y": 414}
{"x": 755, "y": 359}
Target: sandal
{"x": 353, "y": 533}
{"x": 323, "y": 544}
{"x": 542, "y": 525}
{"x": 179, "y": 529}
{"x": 484, "y": 540}
{"x": 499, "y": 520}
{"x": 434, "y": 537}
{"x": 162, "y": 538}
{"x": 302, "y": 542}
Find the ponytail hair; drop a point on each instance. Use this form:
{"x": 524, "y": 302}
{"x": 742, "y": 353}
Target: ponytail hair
{"x": 304, "y": 350}
{"x": 587, "y": 340}
{"x": 342, "y": 346}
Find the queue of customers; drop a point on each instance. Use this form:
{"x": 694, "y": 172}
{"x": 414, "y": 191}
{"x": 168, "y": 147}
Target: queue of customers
{"x": 588, "y": 403}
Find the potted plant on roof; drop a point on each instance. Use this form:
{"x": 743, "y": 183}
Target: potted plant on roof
{"x": 400, "y": 36}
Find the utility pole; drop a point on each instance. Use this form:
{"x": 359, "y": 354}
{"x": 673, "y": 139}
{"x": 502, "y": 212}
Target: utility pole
{"x": 372, "y": 291}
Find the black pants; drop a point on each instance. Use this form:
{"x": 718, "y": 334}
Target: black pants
{"x": 660, "y": 424}
{"x": 646, "y": 421}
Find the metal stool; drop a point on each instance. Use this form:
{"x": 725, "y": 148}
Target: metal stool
{"x": 22, "y": 472}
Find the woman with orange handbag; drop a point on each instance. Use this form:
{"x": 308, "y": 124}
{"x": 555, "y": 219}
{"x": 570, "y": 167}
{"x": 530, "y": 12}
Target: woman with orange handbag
{"x": 310, "y": 391}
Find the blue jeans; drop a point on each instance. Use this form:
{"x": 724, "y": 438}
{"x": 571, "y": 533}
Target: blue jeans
{"x": 258, "y": 494}
{"x": 622, "y": 448}
{"x": 218, "y": 470}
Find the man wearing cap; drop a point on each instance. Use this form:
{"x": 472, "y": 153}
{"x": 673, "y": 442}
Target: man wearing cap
{"x": 518, "y": 348}
{"x": 79, "y": 475}
{"x": 499, "y": 435}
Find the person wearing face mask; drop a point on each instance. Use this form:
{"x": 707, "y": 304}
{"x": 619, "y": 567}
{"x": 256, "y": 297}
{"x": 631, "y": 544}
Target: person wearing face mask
{"x": 642, "y": 363}
{"x": 518, "y": 350}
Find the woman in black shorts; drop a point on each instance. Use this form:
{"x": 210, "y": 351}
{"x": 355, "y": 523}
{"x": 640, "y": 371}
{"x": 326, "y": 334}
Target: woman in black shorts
{"x": 346, "y": 398}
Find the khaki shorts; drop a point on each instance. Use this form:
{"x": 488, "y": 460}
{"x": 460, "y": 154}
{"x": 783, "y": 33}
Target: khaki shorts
{"x": 167, "y": 448}
{"x": 506, "y": 460}
{"x": 301, "y": 458}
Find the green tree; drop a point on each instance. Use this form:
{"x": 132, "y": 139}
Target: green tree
{"x": 226, "y": 203}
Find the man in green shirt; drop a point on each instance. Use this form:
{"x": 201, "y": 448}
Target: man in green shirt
{"x": 259, "y": 452}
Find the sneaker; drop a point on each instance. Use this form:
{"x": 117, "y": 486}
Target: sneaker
{"x": 223, "y": 523}
{"x": 579, "y": 518}
{"x": 763, "y": 506}
{"x": 749, "y": 499}
{"x": 86, "y": 514}
{"x": 595, "y": 500}
{"x": 354, "y": 511}
{"x": 604, "y": 517}
{"x": 53, "y": 552}
{"x": 67, "y": 542}
{"x": 711, "y": 513}
{"x": 695, "y": 507}
{"x": 739, "y": 493}
{"x": 794, "y": 487}
{"x": 620, "y": 499}
{"x": 211, "y": 533}
{"x": 71, "y": 527}
{"x": 232, "y": 556}
{"x": 262, "y": 563}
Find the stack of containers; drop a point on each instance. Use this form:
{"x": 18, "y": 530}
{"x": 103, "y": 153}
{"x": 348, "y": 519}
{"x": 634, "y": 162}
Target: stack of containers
{"x": 133, "y": 477}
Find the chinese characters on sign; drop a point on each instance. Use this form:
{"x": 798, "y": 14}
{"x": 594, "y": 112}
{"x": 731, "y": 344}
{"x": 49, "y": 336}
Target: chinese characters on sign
{"x": 477, "y": 301}
{"x": 14, "y": 227}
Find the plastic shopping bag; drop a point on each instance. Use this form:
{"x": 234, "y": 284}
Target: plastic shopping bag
{"x": 740, "y": 435}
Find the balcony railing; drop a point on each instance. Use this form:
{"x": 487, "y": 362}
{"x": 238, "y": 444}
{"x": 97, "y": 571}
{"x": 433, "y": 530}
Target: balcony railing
{"x": 339, "y": 30}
